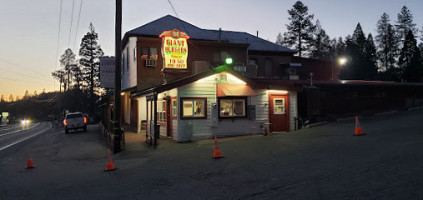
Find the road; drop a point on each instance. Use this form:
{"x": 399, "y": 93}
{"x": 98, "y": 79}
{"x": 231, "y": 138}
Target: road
{"x": 14, "y": 134}
{"x": 324, "y": 162}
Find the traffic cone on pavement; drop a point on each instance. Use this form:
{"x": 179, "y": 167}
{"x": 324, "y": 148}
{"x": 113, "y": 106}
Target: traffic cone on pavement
{"x": 358, "y": 130}
{"x": 29, "y": 163}
{"x": 216, "y": 152}
{"x": 109, "y": 165}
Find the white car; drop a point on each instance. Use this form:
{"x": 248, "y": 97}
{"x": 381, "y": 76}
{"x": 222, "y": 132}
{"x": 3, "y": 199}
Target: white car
{"x": 75, "y": 121}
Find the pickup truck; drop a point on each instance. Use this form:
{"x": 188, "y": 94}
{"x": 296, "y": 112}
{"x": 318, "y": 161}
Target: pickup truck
{"x": 75, "y": 121}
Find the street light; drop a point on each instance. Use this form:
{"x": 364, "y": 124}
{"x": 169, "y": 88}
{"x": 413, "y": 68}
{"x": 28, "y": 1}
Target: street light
{"x": 342, "y": 61}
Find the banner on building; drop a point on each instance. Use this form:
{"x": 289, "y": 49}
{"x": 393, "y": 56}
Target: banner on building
{"x": 174, "y": 49}
{"x": 107, "y": 72}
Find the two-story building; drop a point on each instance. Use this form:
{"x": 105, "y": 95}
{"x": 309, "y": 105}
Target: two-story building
{"x": 200, "y": 97}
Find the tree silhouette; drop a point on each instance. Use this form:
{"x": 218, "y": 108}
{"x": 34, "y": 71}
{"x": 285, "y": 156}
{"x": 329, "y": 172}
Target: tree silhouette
{"x": 67, "y": 61}
{"x": 90, "y": 53}
{"x": 300, "y": 28}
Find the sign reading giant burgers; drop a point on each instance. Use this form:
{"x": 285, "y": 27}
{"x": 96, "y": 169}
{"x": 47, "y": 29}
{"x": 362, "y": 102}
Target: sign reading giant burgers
{"x": 174, "y": 49}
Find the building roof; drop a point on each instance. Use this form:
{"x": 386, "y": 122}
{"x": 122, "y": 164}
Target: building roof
{"x": 189, "y": 79}
{"x": 169, "y": 22}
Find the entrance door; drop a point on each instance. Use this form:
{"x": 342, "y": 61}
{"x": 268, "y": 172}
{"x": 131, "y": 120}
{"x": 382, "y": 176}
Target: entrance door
{"x": 278, "y": 112}
{"x": 168, "y": 118}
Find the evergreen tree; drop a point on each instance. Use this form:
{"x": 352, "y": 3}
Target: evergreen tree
{"x": 358, "y": 37}
{"x": 60, "y": 76}
{"x": 280, "y": 39}
{"x": 2, "y": 99}
{"x": 355, "y": 48}
{"x": 67, "y": 61}
{"x": 77, "y": 75}
{"x": 11, "y": 99}
{"x": 17, "y": 98}
{"x": 410, "y": 60}
{"x": 300, "y": 29}
{"x": 26, "y": 95}
{"x": 370, "y": 58}
{"x": 90, "y": 52}
{"x": 387, "y": 44}
{"x": 320, "y": 45}
{"x": 405, "y": 23}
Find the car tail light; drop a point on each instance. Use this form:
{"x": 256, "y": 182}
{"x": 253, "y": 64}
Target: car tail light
{"x": 85, "y": 120}
{"x": 65, "y": 122}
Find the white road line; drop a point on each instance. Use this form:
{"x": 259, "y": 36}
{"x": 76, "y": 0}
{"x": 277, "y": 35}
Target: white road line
{"x": 7, "y": 146}
{"x": 19, "y": 130}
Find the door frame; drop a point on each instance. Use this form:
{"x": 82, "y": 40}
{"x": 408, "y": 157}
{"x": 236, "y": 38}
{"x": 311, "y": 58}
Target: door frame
{"x": 271, "y": 106}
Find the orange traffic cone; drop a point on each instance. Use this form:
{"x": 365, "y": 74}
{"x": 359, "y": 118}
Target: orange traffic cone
{"x": 29, "y": 163}
{"x": 216, "y": 152}
{"x": 109, "y": 165}
{"x": 358, "y": 130}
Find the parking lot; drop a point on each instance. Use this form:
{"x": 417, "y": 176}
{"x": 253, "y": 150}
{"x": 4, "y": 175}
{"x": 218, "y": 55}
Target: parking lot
{"x": 324, "y": 162}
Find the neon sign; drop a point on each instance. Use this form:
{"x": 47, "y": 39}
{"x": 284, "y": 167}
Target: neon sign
{"x": 174, "y": 49}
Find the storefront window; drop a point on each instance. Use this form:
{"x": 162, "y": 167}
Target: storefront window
{"x": 234, "y": 107}
{"x": 161, "y": 111}
{"x": 194, "y": 108}
{"x": 174, "y": 107}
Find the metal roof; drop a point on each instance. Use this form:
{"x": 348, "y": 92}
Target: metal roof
{"x": 169, "y": 22}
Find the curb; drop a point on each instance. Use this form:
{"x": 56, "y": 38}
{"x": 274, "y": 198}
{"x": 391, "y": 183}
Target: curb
{"x": 386, "y": 113}
{"x": 415, "y": 108}
{"x": 345, "y": 119}
{"x": 316, "y": 124}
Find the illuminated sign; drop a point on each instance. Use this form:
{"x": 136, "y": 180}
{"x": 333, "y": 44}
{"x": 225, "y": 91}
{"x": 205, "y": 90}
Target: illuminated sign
{"x": 174, "y": 49}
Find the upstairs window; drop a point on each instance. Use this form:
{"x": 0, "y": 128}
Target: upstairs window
{"x": 149, "y": 56}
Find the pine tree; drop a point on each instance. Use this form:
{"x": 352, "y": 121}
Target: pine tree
{"x": 387, "y": 43}
{"x": 26, "y": 95}
{"x": 279, "y": 39}
{"x": 90, "y": 52}
{"x": 320, "y": 45}
{"x": 11, "y": 99}
{"x": 2, "y": 99}
{"x": 405, "y": 23}
{"x": 370, "y": 58}
{"x": 355, "y": 46}
{"x": 410, "y": 60}
{"x": 67, "y": 61}
{"x": 358, "y": 37}
{"x": 300, "y": 29}
{"x": 60, "y": 76}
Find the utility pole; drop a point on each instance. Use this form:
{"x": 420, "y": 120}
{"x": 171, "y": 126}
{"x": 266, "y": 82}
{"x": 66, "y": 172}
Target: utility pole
{"x": 118, "y": 132}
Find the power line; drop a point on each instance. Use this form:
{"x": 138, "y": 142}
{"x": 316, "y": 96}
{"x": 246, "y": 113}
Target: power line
{"x": 17, "y": 80}
{"x": 173, "y": 8}
{"x": 77, "y": 24}
{"x": 6, "y": 61}
{"x": 22, "y": 74}
{"x": 70, "y": 28}
{"x": 58, "y": 33}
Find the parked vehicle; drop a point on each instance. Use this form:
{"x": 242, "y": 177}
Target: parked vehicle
{"x": 74, "y": 121}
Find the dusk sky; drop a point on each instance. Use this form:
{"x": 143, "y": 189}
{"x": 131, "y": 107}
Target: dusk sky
{"x": 30, "y": 29}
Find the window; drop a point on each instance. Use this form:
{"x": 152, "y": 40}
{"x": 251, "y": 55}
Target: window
{"x": 194, "y": 108}
{"x": 174, "y": 107}
{"x": 127, "y": 59}
{"x": 233, "y": 107}
{"x": 278, "y": 106}
{"x": 135, "y": 54}
{"x": 149, "y": 56}
{"x": 268, "y": 68}
{"x": 161, "y": 111}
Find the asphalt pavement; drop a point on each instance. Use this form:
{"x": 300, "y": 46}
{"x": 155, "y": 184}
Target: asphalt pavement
{"x": 323, "y": 162}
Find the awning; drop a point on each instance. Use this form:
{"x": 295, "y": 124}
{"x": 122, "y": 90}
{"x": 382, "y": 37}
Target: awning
{"x": 232, "y": 90}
